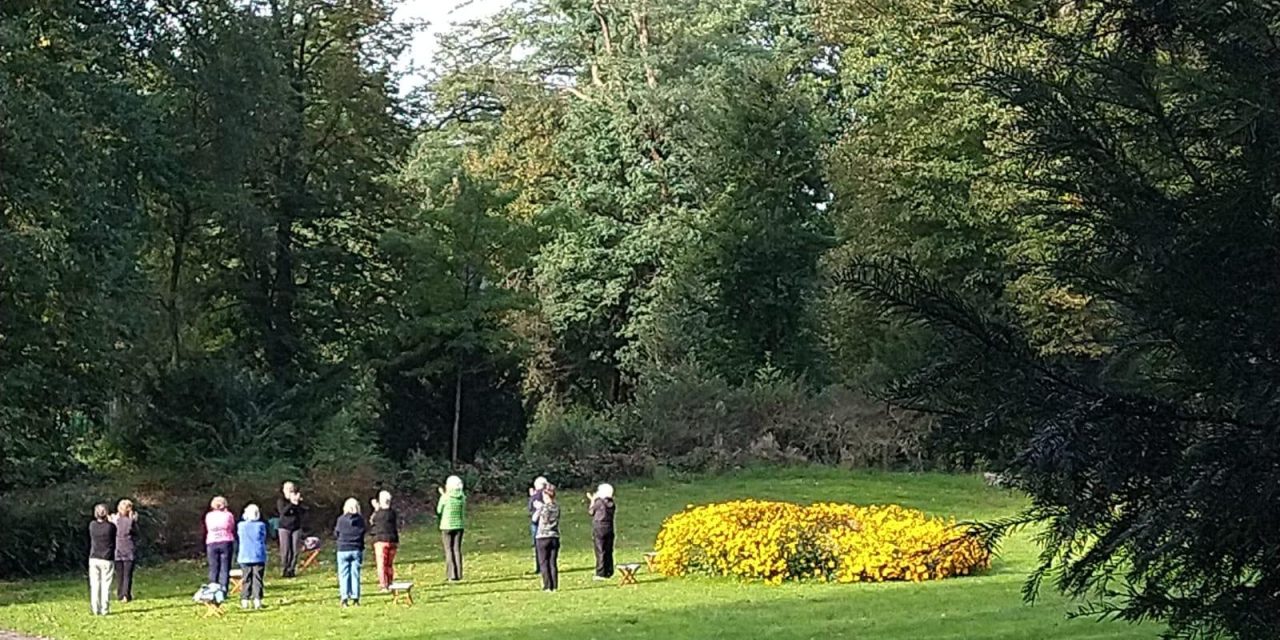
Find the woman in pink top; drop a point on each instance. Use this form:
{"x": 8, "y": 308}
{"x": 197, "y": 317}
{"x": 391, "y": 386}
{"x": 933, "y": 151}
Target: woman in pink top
{"x": 219, "y": 538}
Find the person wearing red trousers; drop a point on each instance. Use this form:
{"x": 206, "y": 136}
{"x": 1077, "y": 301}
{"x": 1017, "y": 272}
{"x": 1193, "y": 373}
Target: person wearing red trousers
{"x": 384, "y": 524}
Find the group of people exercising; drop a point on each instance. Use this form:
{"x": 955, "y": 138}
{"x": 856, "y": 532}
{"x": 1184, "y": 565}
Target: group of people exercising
{"x": 112, "y": 541}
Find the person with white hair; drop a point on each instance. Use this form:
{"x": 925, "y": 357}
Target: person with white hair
{"x": 602, "y": 511}
{"x": 452, "y": 510}
{"x": 385, "y": 526}
{"x": 219, "y": 541}
{"x": 252, "y": 556}
{"x": 535, "y": 503}
{"x": 350, "y": 531}
{"x": 126, "y": 522}
{"x": 102, "y": 551}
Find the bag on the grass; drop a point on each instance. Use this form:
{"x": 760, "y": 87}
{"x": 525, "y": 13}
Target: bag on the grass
{"x": 211, "y": 592}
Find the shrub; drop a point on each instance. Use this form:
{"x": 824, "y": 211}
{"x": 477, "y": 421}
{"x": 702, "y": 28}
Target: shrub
{"x": 421, "y": 473}
{"x": 572, "y": 433}
{"x": 780, "y": 541}
{"x": 693, "y": 421}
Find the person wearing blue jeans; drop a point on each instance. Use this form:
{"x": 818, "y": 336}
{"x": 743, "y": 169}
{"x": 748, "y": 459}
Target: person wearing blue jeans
{"x": 350, "y": 532}
{"x": 219, "y": 541}
{"x": 535, "y": 503}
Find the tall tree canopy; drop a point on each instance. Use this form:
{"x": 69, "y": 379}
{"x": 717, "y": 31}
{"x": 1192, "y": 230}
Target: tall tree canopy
{"x": 227, "y": 235}
{"x": 1136, "y": 154}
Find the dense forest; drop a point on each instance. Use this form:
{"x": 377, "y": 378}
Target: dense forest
{"x": 1033, "y": 237}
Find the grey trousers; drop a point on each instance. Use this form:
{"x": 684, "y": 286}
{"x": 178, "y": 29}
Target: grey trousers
{"x": 251, "y": 586}
{"x": 290, "y": 540}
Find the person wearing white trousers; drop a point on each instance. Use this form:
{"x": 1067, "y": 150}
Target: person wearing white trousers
{"x": 102, "y": 551}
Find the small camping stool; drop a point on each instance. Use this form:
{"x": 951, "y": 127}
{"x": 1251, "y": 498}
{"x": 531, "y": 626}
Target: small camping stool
{"x": 212, "y": 610}
{"x": 628, "y": 573}
{"x": 648, "y": 560}
{"x": 311, "y": 560}
{"x": 401, "y": 593}
{"x": 312, "y": 546}
{"x": 237, "y": 581}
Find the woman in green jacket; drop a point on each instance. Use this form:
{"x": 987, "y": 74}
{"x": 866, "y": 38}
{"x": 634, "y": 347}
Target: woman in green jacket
{"x": 452, "y": 509}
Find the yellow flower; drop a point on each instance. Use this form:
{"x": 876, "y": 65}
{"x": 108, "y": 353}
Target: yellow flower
{"x": 778, "y": 541}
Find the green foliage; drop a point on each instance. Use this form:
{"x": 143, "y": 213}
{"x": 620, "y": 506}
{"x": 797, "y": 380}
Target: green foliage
{"x": 741, "y": 289}
{"x": 72, "y": 301}
{"x": 1127, "y": 397}
{"x": 692, "y": 420}
{"x": 573, "y": 434}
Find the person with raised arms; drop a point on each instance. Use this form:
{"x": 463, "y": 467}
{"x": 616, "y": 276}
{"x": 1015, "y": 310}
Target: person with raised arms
{"x": 102, "y": 553}
{"x": 219, "y": 540}
{"x": 350, "y": 531}
{"x": 289, "y": 512}
{"x": 602, "y": 513}
{"x": 452, "y": 510}
{"x": 252, "y": 556}
{"x": 548, "y": 520}
{"x": 126, "y": 522}
{"x": 384, "y": 524}
{"x": 535, "y": 503}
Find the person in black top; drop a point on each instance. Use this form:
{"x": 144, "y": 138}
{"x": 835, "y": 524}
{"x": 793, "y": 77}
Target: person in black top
{"x": 384, "y": 524}
{"x": 102, "y": 555}
{"x": 126, "y": 521}
{"x": 289, "y": 510}
{"x": 350, "y": 531}
{"x": 602, "y": 509}
{"x": 535, "y": 503}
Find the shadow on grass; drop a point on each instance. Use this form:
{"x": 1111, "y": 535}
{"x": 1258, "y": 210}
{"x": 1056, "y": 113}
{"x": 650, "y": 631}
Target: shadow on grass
{"x": 835, "y": 616}
{"x": 130, "y": 611}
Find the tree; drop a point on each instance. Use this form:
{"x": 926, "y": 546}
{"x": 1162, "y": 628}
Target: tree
{"x": 739, "y": 295}
{"x": 72, "y": 308}
{"x": 454, "y": 262}
{"x": 1142, "y": 160}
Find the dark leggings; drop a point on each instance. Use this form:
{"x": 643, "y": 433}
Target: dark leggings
{"x": 452, "y": 541}
{"x": 604, "y": 553}
{"x": 220, "y": 563}
{"x": 124, "y": 579}
{"x": 548, "y": 562}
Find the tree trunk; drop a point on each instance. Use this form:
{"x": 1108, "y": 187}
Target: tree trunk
{"x": 281, "y": 343}
{"x": 640, "y": 16}
{"x": 597, "y": 7}
{"x": 175, "y": 281}
{"x": 457, "y": 414}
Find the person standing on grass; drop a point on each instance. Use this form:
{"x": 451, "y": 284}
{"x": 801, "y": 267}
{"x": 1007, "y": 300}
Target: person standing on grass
{"x": 452, "y": 509}
{"x": 219, "y": 540}
{"x": 102, "y": 553}
{"x": 253, "y": 556}
{"x": 385, "y": 526}
{"x": 126, "y": 522}
{"x": 602, "y": 509}
{"x": 350, "y": 532}
{"x": 548, "y": 521}
{"x": 289, "y": 511}
{"x": 535, "y": 503}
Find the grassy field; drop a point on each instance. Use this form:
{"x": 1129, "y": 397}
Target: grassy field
{"x": 498, "y": 600}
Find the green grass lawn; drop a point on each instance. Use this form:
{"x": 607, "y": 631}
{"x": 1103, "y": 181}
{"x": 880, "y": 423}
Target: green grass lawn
{"x": 498, "y": 600}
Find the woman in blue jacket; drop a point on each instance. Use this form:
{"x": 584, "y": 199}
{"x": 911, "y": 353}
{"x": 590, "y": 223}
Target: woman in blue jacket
{"x": 252, "y": 532}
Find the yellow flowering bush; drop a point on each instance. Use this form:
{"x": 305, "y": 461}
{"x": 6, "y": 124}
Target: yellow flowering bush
{"x": 777, "y": 541}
